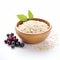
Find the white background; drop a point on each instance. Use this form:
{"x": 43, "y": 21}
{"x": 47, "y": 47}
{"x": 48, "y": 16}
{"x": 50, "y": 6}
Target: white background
{"x": 45, "y": 9}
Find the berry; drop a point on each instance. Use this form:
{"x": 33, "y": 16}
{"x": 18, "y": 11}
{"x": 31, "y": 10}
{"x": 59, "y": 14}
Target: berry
{"x": 9, "y": 42}
{"x": 17, "y": 44}
{"x": 14, "y": 37}
{"x": 7, "y": 35}
{"x": 5, "y": 41}
{"x": 16, "y": 40}
{"x": 12, "y": 34}
{"x": 12, "y": 46}
{"x": 13, "y": 42}
{"x": 10, "y": 37}
{"x": 21, "y": 44}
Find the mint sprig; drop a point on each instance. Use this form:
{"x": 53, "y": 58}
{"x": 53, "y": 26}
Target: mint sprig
{"x": 23, "y": 18}
{"x": 30, "y": 14}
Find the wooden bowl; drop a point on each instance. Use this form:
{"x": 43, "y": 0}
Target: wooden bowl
{"x": 33, "y": 38}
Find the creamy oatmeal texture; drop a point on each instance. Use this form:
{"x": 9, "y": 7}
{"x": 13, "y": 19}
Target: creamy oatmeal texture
{"x": 33, "y": 26}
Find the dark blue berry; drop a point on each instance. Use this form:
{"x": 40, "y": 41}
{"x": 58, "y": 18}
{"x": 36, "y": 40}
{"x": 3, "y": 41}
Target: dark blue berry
{"x": 5, "y": 41}
{"x": 17, "y": 44}
{"x": 13, "y": 42}
{"x": 12, "y": 46}
{"x": 21, "y": 44}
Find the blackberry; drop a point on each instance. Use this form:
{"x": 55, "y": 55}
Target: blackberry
{"x": 9, "y": 42}
{"x": 13, "y": 41}
{"x": 10, "y": 37}
{"x": 16, "y": 40}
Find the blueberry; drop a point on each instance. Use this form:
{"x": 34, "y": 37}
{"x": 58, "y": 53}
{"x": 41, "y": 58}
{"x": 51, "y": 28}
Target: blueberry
{"x": 7, "y": 35}
{"x": 13, "y": 42}
{"x": 12, "y": 34}
{"x": 12, "y": 46}
{"x": 5, "y": 41}
{"x": 17, "y": 44}
{"x": 21, "y": 44}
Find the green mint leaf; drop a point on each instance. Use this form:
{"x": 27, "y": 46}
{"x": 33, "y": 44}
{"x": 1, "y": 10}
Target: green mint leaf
{"x": 22, "y": 17}
{"x": 30, "y": 14}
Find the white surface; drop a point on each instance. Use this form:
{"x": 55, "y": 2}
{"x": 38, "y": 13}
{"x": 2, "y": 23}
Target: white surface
{"x": 46, "y": 9}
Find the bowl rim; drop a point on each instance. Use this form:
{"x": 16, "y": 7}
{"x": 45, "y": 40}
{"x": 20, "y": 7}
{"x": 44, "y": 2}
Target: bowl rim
{"x": 50, "y": 26}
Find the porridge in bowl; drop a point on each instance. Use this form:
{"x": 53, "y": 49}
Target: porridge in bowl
{"x": 33, "y": 30}
{"x": 33, "y": 27}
